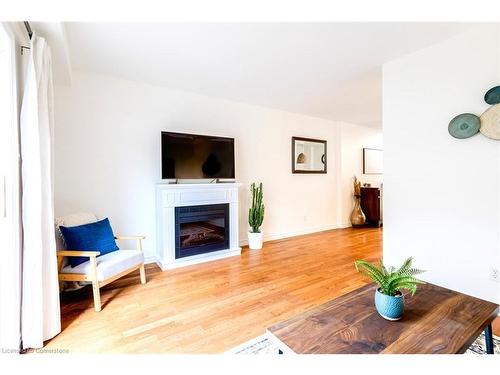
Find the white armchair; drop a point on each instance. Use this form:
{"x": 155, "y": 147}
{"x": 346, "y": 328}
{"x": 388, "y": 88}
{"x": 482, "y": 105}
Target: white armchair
{"x": 98, "y": 270}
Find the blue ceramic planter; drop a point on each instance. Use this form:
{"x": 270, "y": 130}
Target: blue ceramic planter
{"x": 389, "y": 307}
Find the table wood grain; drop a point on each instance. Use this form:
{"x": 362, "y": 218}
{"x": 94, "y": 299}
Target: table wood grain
{"x": 436, "y": 320}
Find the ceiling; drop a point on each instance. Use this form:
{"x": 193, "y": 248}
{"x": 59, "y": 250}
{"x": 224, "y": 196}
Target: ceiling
{"x": 327, "y": 70}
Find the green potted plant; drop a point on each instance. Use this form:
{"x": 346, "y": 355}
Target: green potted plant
{"x": 389, "y": 298}
{"x": 255, "y": 217}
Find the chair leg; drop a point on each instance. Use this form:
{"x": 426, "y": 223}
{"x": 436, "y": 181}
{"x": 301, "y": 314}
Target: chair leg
{"x": 97, "y": 296}
{"x": 143, "y": 274}
{"x": 95, "y": 284}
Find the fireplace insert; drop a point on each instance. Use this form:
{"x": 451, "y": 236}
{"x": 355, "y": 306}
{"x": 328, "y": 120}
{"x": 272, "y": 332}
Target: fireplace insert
{"x": 201, "y": 229}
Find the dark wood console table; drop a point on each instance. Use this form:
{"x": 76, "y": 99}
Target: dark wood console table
{"x": 371, "y": 205}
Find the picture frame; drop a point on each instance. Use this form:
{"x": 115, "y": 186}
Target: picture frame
{"x": 373, "y": 161}
{"x": 309, "y": 156}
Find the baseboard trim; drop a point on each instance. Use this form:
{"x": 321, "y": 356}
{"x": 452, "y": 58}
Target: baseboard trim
{"x": 283, "y": 235}
{"x": 148, "y": 259}
{"x": 197, "y": 259}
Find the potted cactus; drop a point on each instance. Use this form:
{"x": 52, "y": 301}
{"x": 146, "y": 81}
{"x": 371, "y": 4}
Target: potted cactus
{"x": 255, "y": 218}
{"x": 389, "y": 299}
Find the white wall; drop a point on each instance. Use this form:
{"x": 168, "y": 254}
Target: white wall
{"x": 107, "y": 150}
{"x": 353, "y": 139}
{"x": 442, "y": 194}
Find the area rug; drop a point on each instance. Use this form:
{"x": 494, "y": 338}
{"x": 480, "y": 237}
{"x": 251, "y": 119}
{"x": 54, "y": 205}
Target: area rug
{"x": 262, "y": 345}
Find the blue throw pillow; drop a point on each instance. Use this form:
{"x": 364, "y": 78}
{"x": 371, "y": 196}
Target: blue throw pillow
{"x": 96, "y": 236}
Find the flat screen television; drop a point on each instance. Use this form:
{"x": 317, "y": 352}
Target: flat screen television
{"x": 191, "y": 156}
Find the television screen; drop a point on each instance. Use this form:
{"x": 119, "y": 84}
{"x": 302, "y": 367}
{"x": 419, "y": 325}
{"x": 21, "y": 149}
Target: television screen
{"x": 196, "y": 156}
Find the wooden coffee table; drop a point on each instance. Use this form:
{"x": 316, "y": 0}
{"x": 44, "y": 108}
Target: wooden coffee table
{"x": 436, "y": 320}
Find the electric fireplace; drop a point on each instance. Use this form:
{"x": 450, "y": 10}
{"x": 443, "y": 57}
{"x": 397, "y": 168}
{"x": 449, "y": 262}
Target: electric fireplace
{"x": 201, "y": 229}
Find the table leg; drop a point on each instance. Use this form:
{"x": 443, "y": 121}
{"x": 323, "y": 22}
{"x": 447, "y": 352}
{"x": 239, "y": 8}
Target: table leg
{"x": 488, "y": 337}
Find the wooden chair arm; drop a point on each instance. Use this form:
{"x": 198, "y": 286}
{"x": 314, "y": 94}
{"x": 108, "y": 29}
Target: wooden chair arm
{"x": 77, "y": 253}
{"x": 117, "y": 237}
{"x": 136, "y": 238}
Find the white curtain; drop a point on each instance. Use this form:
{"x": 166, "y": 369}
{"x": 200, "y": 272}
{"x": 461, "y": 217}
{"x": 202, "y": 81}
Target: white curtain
{"x": 40, "y": 313}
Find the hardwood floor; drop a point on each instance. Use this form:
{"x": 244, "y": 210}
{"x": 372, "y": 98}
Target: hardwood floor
{"x": 212, "y": 307}
{"x": 496, "y": 326}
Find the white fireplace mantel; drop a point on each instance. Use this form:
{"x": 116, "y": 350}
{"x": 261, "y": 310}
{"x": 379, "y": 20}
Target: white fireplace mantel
{"x": 169, "y": 196}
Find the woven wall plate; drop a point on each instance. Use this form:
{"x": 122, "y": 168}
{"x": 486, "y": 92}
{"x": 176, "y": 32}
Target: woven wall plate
{"x": 492, "y": 96}
{"x": 464, "y": 126}
{"x": 490, "y": 122}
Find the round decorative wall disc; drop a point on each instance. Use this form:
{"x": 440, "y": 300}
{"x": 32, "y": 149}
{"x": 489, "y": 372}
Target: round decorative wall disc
{"x": 490, "y": 122}
{"x": 492, "y": 96}
{"x": 464, "y": 126}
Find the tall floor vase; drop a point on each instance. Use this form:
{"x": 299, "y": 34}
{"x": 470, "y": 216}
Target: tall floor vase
{"x": 358, "y": 218}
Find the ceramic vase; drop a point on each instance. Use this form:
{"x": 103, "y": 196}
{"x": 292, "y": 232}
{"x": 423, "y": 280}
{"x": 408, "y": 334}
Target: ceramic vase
{"x": 255, "y": 240}
{"x": 389, "y": 307}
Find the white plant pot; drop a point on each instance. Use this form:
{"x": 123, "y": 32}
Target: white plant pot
{"x": 255, "y": 240}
